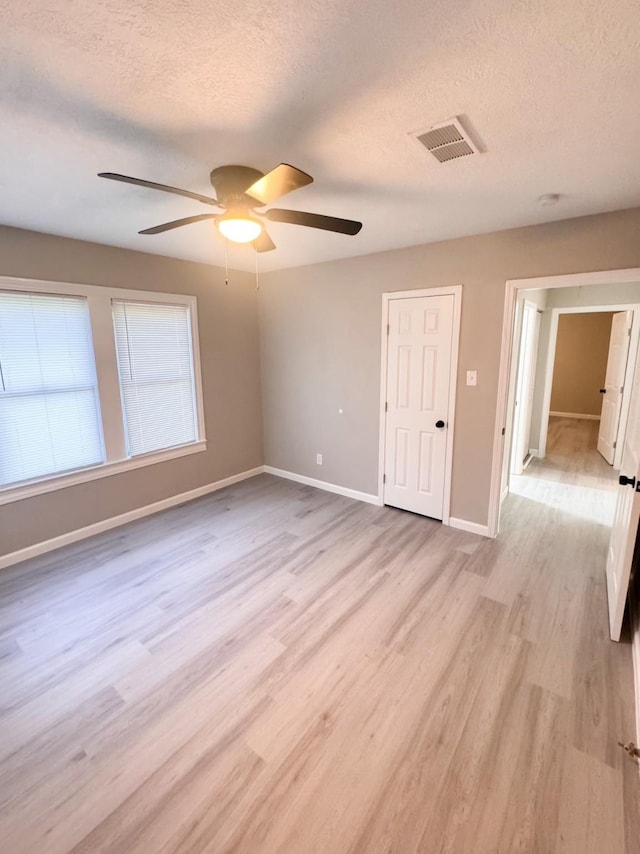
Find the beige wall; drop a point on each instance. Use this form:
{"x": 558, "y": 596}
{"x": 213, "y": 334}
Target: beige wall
{"x": 580, "y": 365}
{"x": 319, "y": 350}
{"x": 320, "y": 344}
{"x": 228, "y": 331}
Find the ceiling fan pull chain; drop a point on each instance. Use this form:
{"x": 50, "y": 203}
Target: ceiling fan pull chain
{"x": 226, "y": 262}
{"x": 257, "y": 275}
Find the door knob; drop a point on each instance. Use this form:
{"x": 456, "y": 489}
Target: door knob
{"x": 439, "y": 423}
{"x": 627, "y": 481}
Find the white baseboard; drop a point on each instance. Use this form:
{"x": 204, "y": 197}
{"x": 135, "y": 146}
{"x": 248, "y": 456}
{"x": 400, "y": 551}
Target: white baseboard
{"x": 504, "y": 494}
{"x": 470, "y": 527}
{"x": 149, "y": 509}
{"x": 535, "y": 452}
{"x": 122, "y": 519}
{"x": 322, "y": 484}
{"x": 576, "y": 415}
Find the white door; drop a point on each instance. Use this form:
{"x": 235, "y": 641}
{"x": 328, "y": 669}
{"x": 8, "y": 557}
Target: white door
{"x": 614, "y": 384}
{"x": 525, "y": 385}
{"x": 417, "y": 403}
{"x": 625, "y": 523}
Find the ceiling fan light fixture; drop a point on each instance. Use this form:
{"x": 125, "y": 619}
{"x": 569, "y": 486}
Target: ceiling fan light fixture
{"x": 239, "y": 228}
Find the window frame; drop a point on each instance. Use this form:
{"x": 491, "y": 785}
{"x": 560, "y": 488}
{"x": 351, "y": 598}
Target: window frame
{"x": 104, "y": 349}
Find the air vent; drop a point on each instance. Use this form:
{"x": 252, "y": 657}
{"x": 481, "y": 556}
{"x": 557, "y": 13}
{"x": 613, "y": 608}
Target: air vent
{"x": 446, "y": 141}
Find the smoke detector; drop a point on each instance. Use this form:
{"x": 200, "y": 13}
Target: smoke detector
{"x": 447, "y": 141}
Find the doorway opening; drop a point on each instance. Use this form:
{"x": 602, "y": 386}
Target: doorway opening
{"x": 580, "y": 489}
{"x": 572, "y": 358}
{"x": 543, "y": 397}
{"x": 569, "y": 402}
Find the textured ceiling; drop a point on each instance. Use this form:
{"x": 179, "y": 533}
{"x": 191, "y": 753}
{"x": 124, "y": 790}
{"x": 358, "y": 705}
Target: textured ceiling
{"x": 168, "y": 89}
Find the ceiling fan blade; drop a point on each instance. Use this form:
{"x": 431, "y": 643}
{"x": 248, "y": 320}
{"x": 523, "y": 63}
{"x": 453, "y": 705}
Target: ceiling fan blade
{"x": 277, "y": 183}
{"x": 328, "y": 223}
{"x": 113, "y": 176}
{"x": 176, "y": 223}
{"x": 264, "y": 243}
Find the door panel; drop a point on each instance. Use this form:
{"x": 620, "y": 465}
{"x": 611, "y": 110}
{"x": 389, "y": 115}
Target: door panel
{"x": 627, "y": 515}
{"x": 425, "y": 464}
{"x": 418, "y": 377}
{"x": 401, "y": 468}
{"x": 429, "y": 378}
{"x": 404, "y": 377}
{"x": 614, "y": 384}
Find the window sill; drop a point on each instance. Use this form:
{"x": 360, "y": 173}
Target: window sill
{"x": 51, "y": 484}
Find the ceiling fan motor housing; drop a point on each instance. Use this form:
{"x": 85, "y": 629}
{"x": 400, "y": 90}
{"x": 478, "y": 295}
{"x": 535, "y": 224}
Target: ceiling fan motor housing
{"x": 230, "y": 182}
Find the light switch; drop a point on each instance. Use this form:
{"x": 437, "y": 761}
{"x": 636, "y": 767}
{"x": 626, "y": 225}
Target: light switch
{"x": 472, "y": 378}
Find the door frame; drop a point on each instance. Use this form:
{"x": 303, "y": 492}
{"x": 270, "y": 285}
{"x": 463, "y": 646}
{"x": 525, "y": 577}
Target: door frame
{"x": 522, "y": 417}
{"x": 456, "y": 292}
{"x": 551, "y": 360}
{"x": 512, "y": 286}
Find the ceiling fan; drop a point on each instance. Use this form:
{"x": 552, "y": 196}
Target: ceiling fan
{"x": 239, "y": 191}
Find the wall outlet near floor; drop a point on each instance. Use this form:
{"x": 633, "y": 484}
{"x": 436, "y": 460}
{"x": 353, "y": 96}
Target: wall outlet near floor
{"x": 319, "y": 459}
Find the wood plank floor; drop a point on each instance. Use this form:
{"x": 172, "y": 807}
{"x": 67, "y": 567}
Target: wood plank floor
{"x": 277, "y": 669}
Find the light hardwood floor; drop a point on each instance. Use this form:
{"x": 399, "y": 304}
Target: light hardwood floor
{"x": 277, "y": 669}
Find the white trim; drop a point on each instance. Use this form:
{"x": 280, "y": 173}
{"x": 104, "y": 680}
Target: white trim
{"x": 112, "y": 423}
{"x": 548, "y": 382}
{"x": 551, "y": 361}
{"x": 635, "y": 655}
{"x": 523, "y": 412}
{"x": 456, "y": 292}
{"x": 70, "y": 537}
{"x": 423, "y": 292}
{"x": 367, "y": 497}
{"x": 50, "y": 484}
{"x": 505, "y": 492}
{"x": 632, "y": 358}
{"x": 572, "y": 280}
{"x": 512, "y": 286}
{"x": 49, "y": 286}
{"x": 470, "y": 527}
{"x": 122, "y": 519}
{"x": 582, "y": 415}
{"x": 382, "y": 421}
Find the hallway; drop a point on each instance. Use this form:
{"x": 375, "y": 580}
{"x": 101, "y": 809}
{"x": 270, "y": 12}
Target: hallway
{"x": 573, "y": 477}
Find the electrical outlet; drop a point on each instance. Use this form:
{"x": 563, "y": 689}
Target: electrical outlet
{"x": 319, "y": 459}
{"x": 472, "y": 378}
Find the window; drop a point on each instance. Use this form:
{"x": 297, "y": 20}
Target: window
{"x": 93, "y": 381}
{"x": 49, "y": 412}
{"x": 155, "y": 367}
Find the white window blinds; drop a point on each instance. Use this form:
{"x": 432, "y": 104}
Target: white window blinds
{"x": 49, "y": 412}
{"x": 155, "y": 365}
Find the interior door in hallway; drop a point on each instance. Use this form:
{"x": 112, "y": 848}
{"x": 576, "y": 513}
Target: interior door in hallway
{"x": 420, "y": 336}
{"x": 627, "y": 516}
{"x": 614, "y": 384}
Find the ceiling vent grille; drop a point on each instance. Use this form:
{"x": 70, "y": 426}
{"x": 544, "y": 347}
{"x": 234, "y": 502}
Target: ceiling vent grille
{"x": 446, "y": 141}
